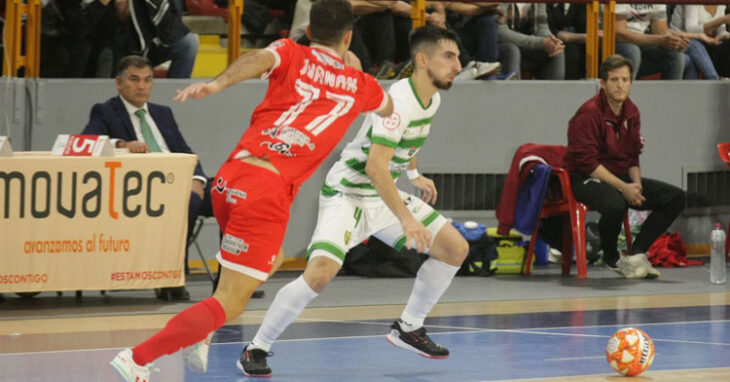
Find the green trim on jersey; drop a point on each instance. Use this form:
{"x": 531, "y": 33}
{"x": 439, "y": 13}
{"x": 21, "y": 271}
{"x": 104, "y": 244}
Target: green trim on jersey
{"x": 419, "y": 122}
{"x": 384, "y": 141}
{"x": 328, "y": 247}
{"x": 328, "y": 191}
{"x": 357, "y": 166}
{"x": 413, "y": 88}
{"x": 364, "y": 186}
{"x": 400, "y": 160}
{"x": 415, "y": 142}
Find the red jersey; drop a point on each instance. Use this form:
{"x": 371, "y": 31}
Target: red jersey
{"x": 311, "y": 101}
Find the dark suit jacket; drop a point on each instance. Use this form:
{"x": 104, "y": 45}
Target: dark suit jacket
{"x": 111, "y": 118}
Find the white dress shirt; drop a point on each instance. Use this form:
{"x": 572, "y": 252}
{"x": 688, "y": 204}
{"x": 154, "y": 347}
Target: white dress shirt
{"x": 131, "y": 109}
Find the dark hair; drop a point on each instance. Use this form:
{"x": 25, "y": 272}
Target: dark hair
{"x": 428, "y": 36}
{"x": 329, "y": 20}
{"x": 612, "y": 63}
{"x": 136, "y": 61}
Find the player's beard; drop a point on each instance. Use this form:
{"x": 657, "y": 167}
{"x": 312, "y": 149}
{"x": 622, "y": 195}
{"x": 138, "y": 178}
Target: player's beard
{"x": 443, "y": 85}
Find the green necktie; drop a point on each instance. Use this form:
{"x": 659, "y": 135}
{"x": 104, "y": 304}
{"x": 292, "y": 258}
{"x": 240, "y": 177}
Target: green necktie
{"x": 149, "y": 138}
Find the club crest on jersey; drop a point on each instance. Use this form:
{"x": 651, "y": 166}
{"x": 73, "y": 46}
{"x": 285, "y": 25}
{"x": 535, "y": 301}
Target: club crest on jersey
{"x": 392, "y": 122}
{"x": 290, "y": 136}
{"x": 348, "y": 236}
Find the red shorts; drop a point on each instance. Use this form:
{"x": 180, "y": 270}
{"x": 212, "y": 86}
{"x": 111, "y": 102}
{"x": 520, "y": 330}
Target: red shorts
{"x": 252, "y": 206}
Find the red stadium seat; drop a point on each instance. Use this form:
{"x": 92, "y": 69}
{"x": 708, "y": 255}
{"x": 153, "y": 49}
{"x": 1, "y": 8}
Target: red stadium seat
{"x": 574, "y": 227}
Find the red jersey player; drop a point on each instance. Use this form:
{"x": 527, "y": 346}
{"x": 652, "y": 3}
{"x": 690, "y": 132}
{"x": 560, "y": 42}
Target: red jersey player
{"x": 311, "y": 101}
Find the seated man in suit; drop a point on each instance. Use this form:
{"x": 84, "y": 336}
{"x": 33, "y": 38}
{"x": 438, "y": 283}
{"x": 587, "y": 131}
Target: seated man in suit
{"x": 133, "y": 123}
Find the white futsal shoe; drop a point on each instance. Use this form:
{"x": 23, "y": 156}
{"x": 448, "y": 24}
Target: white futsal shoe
{"x": 128, "y": 369}
{"x": 196, "y": 356}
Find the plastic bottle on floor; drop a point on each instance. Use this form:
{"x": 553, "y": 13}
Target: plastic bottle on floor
{"x": 718, "y": 272}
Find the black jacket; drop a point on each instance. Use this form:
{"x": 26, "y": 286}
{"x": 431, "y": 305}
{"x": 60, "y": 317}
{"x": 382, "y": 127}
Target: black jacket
{"x": 156, "y": 22}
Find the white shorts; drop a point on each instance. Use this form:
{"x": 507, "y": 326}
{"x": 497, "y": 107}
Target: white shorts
{"x": 345, "y": 221}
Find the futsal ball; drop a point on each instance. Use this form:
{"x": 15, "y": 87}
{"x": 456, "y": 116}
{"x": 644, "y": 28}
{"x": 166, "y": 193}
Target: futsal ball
{"x": 630, "y": 351}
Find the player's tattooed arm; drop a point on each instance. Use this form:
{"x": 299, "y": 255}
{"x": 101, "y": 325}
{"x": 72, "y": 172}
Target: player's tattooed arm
{"x": 247, "y": 66}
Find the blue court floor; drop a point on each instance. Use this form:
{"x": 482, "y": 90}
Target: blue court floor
{"x": 483, "y": 348}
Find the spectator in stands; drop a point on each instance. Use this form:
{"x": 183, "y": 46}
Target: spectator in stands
{"x": 380, "y": 36}
{"x": 525, "y": 43}
{"x": 643, "y": 36}
{"x": 142, "y": 127}
{"x": 604, "y": 143}
{"x": 705, "y": 26}
{"x": 301, "y": 20}
{"x": 156, "y": 31}
{"x": 65, "y": 25}
{"x": 476, "y": 24}
{"x": 568, "y": 23}
{"x": 105, "y": 41}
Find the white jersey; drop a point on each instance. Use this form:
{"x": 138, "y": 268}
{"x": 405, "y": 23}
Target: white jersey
{"x": 405, "y": 130}
{"x": 640, "y": 16}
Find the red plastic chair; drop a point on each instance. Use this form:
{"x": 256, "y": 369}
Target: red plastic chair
{"x": 574, "y": 227}
{"x": 724, "y": 150}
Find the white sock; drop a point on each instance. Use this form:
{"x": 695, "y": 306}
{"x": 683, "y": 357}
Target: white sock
{"x": 288, "y": 304}
{"x": 432, "y": 280}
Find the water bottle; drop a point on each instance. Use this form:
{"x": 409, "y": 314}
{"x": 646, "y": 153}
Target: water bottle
{"x": 718, "y": 272}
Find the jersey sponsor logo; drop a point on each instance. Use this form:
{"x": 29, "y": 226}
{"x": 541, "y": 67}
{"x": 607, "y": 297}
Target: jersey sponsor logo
{"x": 279, "y": 147}
{"x": 290, "y": 136}
{"x": 220, "y": 185}
{"x": 233, "y": 245}
{"x": 399, "y": 167}
{"x": 237, "y": 193}
{"x": 322, "y": 76}
{"x": 392, "y": 122}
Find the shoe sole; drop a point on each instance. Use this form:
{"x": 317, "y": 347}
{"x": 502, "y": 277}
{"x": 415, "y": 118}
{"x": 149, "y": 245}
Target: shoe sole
{"x": 239, "y": 365}
{"x": 397, "y": 342}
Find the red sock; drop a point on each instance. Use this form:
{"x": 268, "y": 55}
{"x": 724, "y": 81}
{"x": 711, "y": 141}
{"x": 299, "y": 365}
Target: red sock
{"x": 187, "y": 328}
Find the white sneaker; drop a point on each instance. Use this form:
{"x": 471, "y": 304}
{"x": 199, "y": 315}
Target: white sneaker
{"x": 484, "y": 68}
{"x": 631, "y": 268}
{"x": 652, "y": 273}
{"x": 468, "y": 73}
{"x": 128, "y": 369}
{"x": 196, "y": 356}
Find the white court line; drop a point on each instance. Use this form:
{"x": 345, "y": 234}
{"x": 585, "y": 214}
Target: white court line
{"x": 575, "y": 358}
{"x": 456, "y": 330}
{"x": 610, "y": 376}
